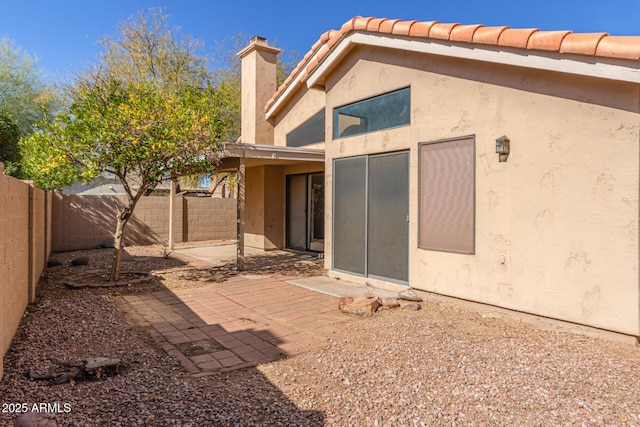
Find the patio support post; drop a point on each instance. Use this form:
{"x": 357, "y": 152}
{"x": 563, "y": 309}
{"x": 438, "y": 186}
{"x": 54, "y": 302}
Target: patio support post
{"x": 172, "y": 196}
{"x": 241, "y": 197}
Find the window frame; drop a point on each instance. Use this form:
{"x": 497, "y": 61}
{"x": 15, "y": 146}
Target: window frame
{"x": 335, "y": 134}
{"x": 321, "y": 112}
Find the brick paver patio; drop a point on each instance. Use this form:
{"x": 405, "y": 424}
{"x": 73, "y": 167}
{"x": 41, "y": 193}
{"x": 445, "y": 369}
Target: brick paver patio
{"x": 241, "y": 322}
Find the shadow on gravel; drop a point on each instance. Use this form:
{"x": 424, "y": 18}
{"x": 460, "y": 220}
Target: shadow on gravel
{"x": 283, "y": 264}
{"x": 191, "y": 373}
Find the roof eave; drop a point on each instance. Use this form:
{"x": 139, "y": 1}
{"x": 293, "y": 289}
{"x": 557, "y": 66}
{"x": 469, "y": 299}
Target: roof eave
{"x": 281, "y": 100}
{"x": 601, "y": 67}
{"x": 585, "y": 65}
{"x": 256, "y": 151}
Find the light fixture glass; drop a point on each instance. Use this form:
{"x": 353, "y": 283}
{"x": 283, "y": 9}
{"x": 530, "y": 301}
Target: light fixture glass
{"x": 503, "y": 148}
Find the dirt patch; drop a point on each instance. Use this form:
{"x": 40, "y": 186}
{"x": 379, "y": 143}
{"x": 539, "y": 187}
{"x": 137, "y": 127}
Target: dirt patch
{"x": 152, "y": 388}
{"x": 442, "y": 365}
{"x": 176, "y": 271}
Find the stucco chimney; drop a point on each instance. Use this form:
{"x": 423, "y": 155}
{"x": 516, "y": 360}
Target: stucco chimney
{"x": 258, "y": 86}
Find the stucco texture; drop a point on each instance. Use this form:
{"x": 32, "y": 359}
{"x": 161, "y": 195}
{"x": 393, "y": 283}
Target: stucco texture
{"x": 265, "y": 211}
{"x": 303, "y": 105}
{"x": 557, "y": 223}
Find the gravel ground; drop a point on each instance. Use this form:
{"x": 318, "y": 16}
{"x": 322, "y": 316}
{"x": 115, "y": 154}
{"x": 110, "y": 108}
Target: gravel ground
{"x": 443, "y": 365}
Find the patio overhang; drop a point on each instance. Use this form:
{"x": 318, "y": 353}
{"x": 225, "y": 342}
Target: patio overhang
{"x": 237, "y": 157}
{"x": 259, "y": 155}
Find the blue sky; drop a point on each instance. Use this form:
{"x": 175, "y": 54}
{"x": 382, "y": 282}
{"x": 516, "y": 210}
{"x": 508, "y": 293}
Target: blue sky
{"x": 63, "y": 35}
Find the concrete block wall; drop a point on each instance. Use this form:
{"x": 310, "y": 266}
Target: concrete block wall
{"x": 39, "y": 249}
{"x": 149, "y": 223}
{"x": 23, "y": 251}
{"x": 84, "y": 222}
{"x": 80, "y": 222}
{"x": 209, "y": 218}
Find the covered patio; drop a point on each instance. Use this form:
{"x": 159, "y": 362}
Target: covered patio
{"x": 275, "y": 201}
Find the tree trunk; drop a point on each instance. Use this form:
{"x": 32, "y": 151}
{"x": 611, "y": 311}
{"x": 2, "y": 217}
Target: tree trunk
{"x": 121, "y": 220}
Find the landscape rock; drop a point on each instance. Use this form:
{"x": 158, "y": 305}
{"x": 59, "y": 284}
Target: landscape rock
{"x": 109, "y": 243}
{"x": 81, "y": 260}
{"x": 413, "y": 306}
{"x": 53, "y": 263}
{"x": 389, "y": 302}
{"x": 344, "y": 301}
{"x": 363, "y": 305}
{"x": 492, "y": 372}
{"x": 36, "y": 419}
{"x": 100, "y": 367}
{"x": 409, "y": 295}
{"x": 92, "y": 368}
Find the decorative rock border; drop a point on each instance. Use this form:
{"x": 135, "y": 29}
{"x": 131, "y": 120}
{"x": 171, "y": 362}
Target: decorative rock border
{"x": 80, "y": 282}
{"x": 369, "y": 303}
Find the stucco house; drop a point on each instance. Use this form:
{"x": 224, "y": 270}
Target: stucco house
{"x": 491, "y": 164}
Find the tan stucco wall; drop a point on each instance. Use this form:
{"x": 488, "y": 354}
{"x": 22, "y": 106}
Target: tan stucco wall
{"x": 304, "y": 168}
{"x": 265, "y": 205}
{"x": 258, "y": 84}
{"x": 254, "y": 207}
{"x": 274, "y": 209}
{"x": 563, "y": 210}
{"x": 264, "y": 209}
{"x": 303, "y": 105}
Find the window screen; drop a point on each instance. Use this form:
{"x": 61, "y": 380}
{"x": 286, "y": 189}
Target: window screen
{"x": 447, "y": 196}
{"x": 309, "y": 132}
{"x": 370, "y": 215}
{"x": 380, "y": 112}
{"x": 350, "y": 214}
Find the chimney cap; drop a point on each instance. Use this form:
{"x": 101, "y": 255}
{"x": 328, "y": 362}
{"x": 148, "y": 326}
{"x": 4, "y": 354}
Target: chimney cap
{"x": 259, "y": 40}
{"x": 258, "y": 43}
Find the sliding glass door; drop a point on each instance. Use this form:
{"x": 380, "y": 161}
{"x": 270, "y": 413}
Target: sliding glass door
{"x": 370, "y": 216}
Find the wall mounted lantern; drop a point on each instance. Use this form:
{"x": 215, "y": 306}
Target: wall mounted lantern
{"x": 502, "y": 148}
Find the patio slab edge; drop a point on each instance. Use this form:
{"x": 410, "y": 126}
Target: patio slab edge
{"x": 338, "y": 288}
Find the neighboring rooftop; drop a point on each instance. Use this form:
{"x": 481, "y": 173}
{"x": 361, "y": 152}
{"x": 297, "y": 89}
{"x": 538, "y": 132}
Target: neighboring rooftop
{"x": 600, "y": 45}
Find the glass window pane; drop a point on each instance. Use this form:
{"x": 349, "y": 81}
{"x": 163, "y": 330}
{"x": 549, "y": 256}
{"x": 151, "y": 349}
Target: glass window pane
{"x": 309, "y": 132}
{"x": 297, "y": 211}
{"x": 317, "y": 207}
{"x": 381, "y": 112}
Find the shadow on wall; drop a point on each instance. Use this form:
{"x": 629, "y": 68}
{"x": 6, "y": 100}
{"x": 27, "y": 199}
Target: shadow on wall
{"x": 84, "y": 222}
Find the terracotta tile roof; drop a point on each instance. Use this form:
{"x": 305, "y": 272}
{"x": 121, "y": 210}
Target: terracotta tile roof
{"x": 593, "y": 44}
